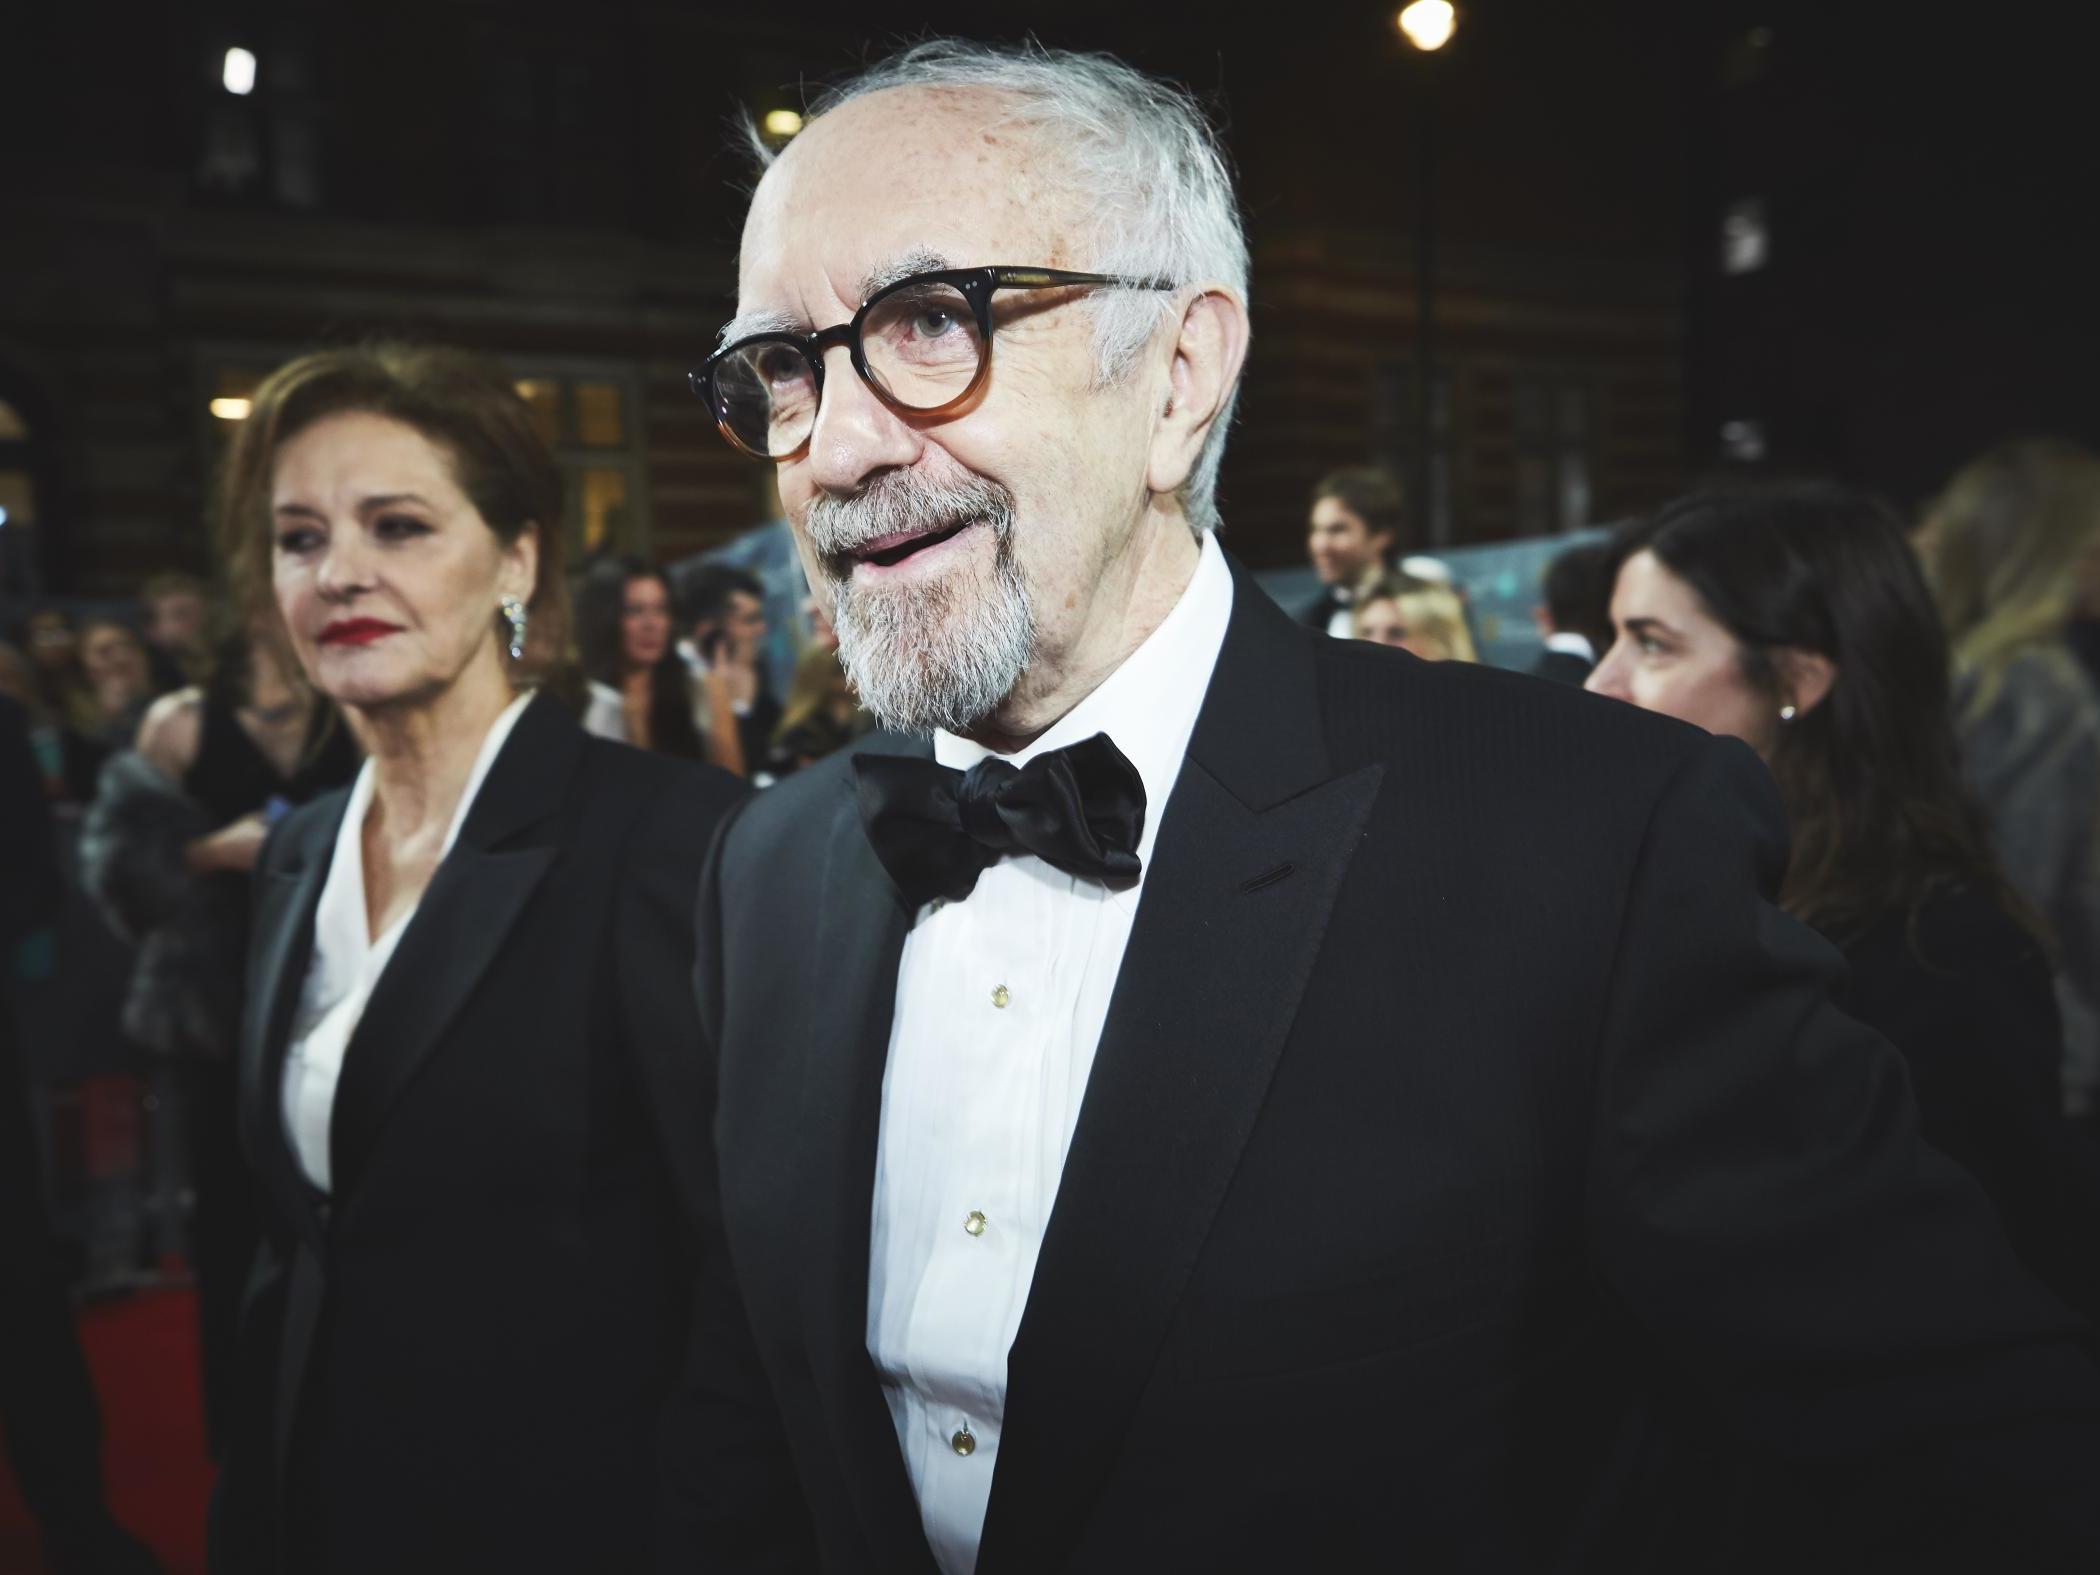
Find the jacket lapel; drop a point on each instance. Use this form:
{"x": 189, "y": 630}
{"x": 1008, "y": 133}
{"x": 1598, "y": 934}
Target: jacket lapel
{"x": 473, "y": 900}
{"x": 1252, "y": 851}
{"x": 861, "y": 925}
{"x": 285, "y": 901}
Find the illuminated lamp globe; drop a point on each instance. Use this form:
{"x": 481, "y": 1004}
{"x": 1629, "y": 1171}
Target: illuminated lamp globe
{"x": 1429, "y": 24}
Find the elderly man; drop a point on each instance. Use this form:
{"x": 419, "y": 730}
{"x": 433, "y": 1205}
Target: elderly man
{"x": 1216, "y": 1105}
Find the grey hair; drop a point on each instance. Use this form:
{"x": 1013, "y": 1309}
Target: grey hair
{"x": 1149, "y": 169}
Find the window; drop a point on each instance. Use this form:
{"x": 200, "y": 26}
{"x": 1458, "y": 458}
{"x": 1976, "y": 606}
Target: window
{"x": 1743, "y": 441}
{"x": 1395, "y": 438}
{"x": 18, "y": 552}
{"x": 1553, "y": 428}
{"x": 1747, "y": 58}
{"x": 588, "y": 419}
{"x": 1746, "y": 243}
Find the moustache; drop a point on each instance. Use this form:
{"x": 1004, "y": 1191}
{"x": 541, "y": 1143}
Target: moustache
{"x": 902, "y": 503}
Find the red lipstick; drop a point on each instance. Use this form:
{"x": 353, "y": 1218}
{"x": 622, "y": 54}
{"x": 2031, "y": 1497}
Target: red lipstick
{"x": 357, "y": 631}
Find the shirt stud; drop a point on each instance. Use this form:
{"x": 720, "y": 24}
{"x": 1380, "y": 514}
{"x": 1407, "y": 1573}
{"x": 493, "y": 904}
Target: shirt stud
{"x": 963, "y": 1441}
{"x": 1001, "y": 995}
{"x": 974, "y": 1222}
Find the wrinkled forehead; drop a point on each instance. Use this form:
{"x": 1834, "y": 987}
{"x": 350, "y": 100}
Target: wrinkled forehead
{"x": 899, "y": 181}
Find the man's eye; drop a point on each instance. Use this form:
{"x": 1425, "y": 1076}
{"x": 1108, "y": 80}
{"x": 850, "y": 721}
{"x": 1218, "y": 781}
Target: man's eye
{"x": 782, "y": 370}
{"x": 933, "y": 321}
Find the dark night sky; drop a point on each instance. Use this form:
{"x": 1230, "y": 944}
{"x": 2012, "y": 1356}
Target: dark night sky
{"x": 1932, "y": 280}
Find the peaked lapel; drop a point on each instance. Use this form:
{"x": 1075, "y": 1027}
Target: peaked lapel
{"x": 1252, "y": 850}
{"x": 862, "y": 921}
{"x": 473, "y": 900}
{"x": 286, "y": 898}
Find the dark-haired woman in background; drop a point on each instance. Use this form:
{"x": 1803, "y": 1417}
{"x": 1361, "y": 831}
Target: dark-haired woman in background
{"x": 469, "y": 1004}
{"x": 1795, "y": 618}
{"x": 640, "y": 690}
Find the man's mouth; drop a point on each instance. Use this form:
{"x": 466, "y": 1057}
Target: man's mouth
{"x": 886, "y": 552}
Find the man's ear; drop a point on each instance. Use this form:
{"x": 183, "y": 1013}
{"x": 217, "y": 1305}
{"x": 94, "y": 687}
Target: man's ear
{"x": 1210, "y": 346}
{"x": 1805, "y": 678}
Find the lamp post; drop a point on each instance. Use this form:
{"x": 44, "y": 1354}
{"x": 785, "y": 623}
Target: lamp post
{"x": 1427, "y": 25}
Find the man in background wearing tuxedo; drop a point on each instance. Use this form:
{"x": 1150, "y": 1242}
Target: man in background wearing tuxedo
{"x": 1355, "y": 526}
{"x": 1574, "y": 615}
{"x": 1211, "y": 1102}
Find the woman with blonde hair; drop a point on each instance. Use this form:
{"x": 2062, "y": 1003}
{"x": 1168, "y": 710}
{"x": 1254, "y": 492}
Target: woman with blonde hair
{"x": 2009, "y": 548}
{"x": 1417, "y": 615}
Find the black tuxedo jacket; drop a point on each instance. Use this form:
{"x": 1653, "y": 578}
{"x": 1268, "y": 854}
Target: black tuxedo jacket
{"x": 1472, "y": 1175}
{"x": 1563, "y": 667}
{"x": 1320, "y": 611}
{"x": 458, "y": 1360}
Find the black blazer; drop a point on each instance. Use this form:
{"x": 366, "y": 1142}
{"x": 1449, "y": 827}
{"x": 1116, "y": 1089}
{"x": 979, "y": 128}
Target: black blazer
{"x": 1563, "y": 667}
{"x": 1969, "y": 999}
{"x": 456, "y": 1362}
{"x": 1472, "y": 1174}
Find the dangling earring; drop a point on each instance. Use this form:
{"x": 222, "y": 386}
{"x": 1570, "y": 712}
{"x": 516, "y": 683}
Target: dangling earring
{"x": 514, "y": 615}
{"x": 1787, "y": 713}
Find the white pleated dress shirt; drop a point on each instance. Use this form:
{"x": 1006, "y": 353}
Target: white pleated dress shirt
{"x": 347, "y": 961}
{"x": 1001, "y": 1000}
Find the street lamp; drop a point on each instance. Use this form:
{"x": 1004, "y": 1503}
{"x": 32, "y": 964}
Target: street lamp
{"x": 1428, "y": 26}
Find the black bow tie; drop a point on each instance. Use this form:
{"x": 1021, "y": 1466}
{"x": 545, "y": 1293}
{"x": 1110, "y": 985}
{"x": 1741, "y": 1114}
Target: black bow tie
{"x": 936, "y": 829}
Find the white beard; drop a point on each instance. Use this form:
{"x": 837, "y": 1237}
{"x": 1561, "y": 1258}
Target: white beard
{"x": 937, "y": 653}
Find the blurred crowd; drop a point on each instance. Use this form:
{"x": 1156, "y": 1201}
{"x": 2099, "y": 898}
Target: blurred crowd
{"x": 1926, "y": 694}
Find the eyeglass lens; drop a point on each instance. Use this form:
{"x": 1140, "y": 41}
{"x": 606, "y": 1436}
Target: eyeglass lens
{"x": 921, "y": 345}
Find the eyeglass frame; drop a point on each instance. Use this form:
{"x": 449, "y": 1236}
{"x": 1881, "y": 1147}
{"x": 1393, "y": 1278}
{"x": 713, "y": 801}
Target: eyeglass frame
{"x": 976, "y": 286}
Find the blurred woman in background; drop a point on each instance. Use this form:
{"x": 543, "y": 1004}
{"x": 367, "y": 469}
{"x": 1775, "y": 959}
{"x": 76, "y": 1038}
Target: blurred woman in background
{"x": 640, "y": 690}
{"x": 1417, "y": 615}
{"x": 1795, "y": 618}
{"x": 53, "y": 645}
{"x": 119, "y": 679}
{"x": 168, "y": 851}
{"x": 67, "y": 757}
{"x": 2010, "y": 549}
{"x": 821, "y": 715}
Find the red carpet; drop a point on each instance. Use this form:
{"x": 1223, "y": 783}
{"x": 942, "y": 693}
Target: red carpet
{"x": 143, "y": 1352}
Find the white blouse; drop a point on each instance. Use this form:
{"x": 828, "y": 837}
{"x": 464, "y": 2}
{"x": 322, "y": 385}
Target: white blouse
{"x": 347, "y": 961}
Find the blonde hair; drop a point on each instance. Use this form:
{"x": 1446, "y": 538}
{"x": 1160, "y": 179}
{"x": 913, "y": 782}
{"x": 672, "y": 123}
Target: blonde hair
{"x": 1431, "y": 610}
{"x": 2003, "y": 548}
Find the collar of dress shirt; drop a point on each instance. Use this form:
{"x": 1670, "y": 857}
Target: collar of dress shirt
{"x": 341, "y": 925}
{"x": 1573, "y": 644}
{"x": 1147, "y": 706}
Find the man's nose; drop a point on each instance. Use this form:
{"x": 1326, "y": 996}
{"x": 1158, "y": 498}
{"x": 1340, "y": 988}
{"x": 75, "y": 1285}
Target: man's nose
{"x": 856, "y": 435}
